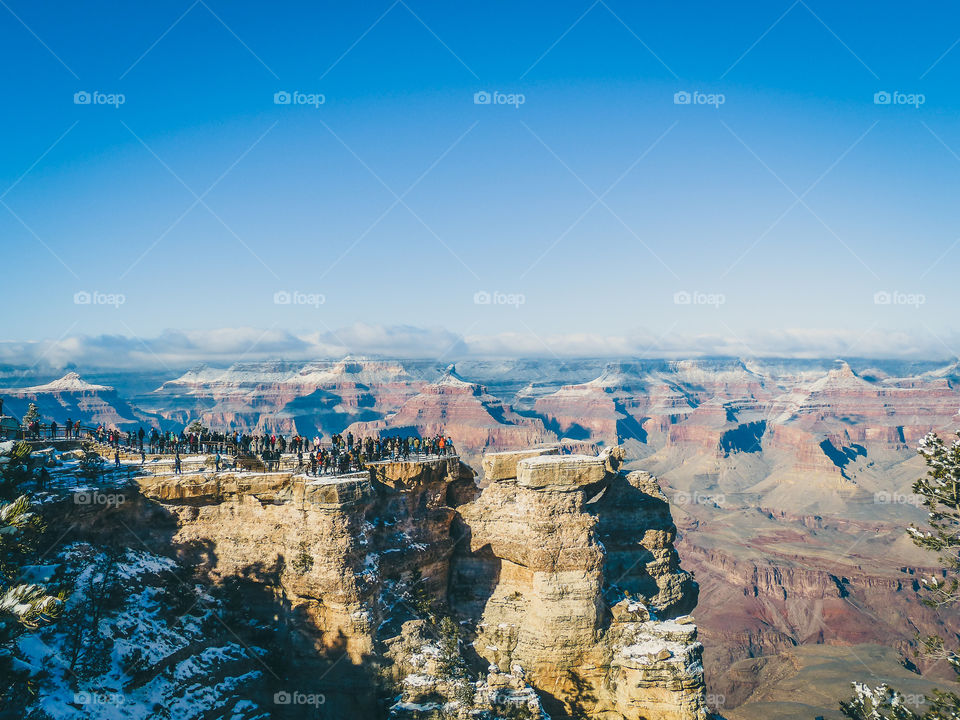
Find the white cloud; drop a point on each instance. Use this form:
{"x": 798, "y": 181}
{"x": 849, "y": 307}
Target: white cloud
{"x": 394, "y": 340}
{"x": 798, "y": 343}
{"x": 180, "y": 348}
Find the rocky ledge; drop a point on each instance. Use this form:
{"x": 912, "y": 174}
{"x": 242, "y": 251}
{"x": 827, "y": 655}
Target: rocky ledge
{"x": 406, "y": 591}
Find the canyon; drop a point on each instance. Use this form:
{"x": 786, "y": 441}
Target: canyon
{"x": 789, "y": 481}
{"x": 404, "y": 591}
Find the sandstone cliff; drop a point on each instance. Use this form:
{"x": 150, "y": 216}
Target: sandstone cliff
{"x": 569, "y": 571}
{"x": 557, "y": 587}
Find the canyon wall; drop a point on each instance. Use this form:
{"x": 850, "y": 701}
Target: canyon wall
{"x": 559, "y": 580}
{"x": 571, "y": 572}
{"x": 790, "y": 480}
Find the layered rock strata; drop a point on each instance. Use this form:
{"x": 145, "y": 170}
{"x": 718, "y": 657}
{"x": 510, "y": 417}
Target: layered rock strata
{"x": 568, "y": 569}
{"x": 559, "y": 581}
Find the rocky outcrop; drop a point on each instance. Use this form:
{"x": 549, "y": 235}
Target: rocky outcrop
{"x": 346, "y": 556}
{"x": 568, "y": 569}
{"x": 503, "y": 465}
{"x": 432, "y": 688}
{"x": 72, "y": 397}
{"x": 559, "y": 584}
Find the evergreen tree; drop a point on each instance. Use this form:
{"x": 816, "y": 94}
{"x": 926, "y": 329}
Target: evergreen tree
{"x": 940, "y": 490}
{"x": 23, "y": 606}
{"x": 14, "y": 471}
{"x": 90, "y": 466}
{"x": 33, "y": 413}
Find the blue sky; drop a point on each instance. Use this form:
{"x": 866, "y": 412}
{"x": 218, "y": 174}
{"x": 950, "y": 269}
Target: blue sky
{"x": 794, "y": 215}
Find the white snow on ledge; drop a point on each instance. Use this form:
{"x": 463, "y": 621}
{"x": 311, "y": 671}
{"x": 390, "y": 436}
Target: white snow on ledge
{"x": 653, "y": 638}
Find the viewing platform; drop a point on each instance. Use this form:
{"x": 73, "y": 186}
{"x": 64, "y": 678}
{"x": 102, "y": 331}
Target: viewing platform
{"x": 201, "y": 484}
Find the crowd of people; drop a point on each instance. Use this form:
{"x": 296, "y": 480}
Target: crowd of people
{"x": 347, "y": 453}
{"x": 343, "y": 453}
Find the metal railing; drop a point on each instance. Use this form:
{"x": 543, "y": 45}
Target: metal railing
{"x": 46, "y": 431}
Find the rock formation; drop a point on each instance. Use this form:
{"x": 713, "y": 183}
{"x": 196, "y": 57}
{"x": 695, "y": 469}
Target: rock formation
{"x": 569, "y": 569}
{"x": 557, "y": 585}
{"x": 775, "y": 468}
{"x": 317, "y": 397}
{"x": 72, "y": 397}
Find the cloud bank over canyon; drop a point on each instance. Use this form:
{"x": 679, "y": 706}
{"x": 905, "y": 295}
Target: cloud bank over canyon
{"x": 176, "y": 348}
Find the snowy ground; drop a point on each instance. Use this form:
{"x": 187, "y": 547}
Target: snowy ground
{"x": 121, "y": 653}
{"x": 138, "y": 638}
